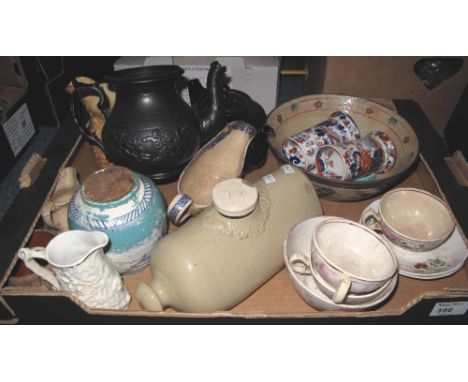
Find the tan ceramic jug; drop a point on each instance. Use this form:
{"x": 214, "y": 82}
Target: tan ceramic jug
{"x": 55, "y": 209}
{"x": 222, "y": 255}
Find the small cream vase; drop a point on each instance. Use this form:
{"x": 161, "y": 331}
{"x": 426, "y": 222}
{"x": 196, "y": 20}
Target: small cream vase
{"x": 214, "y": 261}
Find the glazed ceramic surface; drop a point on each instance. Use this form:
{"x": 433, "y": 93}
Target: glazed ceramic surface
{"x": 411, "y": 218}
{"x": 348, "y": 160}
{"x": 214, "y": 261}
{"x": 294, "y": 116}
{"x": 439, "y": 262}
{"x": 96, "y": 117}
{"x": 351, "y": 298}
{"x": 134, "y": 221}
{"x": 303, "y": 264}
{"x": 22, "y": 276}
{"x": 221, "y": 158}
{"x": 55, "y": 209}
{"x": 358, "y": 262}
{"x": 227, "y": 105}
{"x": 342, "y": 125}
{"x": 150, "y": 129}
{"x": 388, "y": 149}
{"x": 80, "y": 267}
{"x": 301, "y": 149}
{"x": 298, "y": 240}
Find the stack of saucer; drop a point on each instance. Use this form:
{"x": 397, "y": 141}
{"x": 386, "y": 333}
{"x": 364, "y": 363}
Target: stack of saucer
{"x": 338, "y": 264}
{"x": 421, "y": 231}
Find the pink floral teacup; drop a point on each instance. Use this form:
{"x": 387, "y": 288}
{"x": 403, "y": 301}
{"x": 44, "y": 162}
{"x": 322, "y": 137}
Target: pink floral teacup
{"x": 349, "y": 257}
{"x": 411, "y": 218}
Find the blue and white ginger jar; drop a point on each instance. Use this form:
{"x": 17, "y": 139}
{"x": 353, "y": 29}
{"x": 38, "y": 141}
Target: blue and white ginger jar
{"x": 126, "y": 206}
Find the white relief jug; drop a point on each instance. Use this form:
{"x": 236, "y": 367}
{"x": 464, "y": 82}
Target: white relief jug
{"x": 80, "y": 267}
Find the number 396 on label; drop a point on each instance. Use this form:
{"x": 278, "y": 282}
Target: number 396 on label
{"x": 454, "y": 308}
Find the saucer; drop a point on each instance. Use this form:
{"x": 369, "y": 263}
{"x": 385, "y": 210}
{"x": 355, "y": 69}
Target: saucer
{"x": 299, "y": 240}
{"x": 437, "y": 263}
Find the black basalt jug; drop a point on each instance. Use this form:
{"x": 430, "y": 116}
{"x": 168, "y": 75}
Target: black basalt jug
{"x": 150, "y": 128}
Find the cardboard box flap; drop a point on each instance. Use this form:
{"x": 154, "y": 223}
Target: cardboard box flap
{"x": 7, "y": 316}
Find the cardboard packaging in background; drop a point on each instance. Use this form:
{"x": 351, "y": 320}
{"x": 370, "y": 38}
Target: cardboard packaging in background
{"x": 256, "y": 76}
{"x": 387, "y": 77}
{"x": 456, "y": 131}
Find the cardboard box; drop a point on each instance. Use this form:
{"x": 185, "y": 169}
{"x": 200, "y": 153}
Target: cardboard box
{"x": 16, "y": 126}
{"x": 412, "y": 301}
{"x": 387, "y": 77}
{"x": 277, "y": 300}
{"x": 256, "y": 76}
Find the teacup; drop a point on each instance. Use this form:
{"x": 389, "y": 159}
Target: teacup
{"x": 301, "y": 148}
{"x": 352, "y": 299}
{"x": 348, "y": 160}
{"x": 351, "y": 258}
{"x": 342, "y": 125}
{"x": 388, "y": 149}
{"x": 411, "y": 218}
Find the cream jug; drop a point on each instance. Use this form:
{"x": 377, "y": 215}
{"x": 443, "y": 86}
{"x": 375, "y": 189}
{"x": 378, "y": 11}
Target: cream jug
{"x": 55, "y": 209}
{"x": 221, "y": 256}
{"x": 80, "y": 267}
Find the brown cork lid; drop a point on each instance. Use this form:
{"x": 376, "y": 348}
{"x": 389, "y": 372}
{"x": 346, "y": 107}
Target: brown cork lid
{"x": 109, "y": 184}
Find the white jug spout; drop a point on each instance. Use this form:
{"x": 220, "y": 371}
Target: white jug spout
{"x": 73, "y": 247}
{"x": 94, "y": 240}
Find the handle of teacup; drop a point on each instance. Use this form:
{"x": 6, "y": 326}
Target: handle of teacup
{"x": 178, "y": 210}
{"x": 370, "y": 218}
{"x": 342, "y": 291}
{"x": 28, "y": 255}
{"x": 300, "y": 264}
{"x": 79, "y": 114}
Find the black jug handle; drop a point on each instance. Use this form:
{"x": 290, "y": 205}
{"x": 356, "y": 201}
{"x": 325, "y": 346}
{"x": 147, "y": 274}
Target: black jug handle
{"x": 80, "y": 115}
{"x": 268, "y": 131}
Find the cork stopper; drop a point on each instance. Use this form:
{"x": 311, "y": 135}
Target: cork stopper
{"x": 235, "y": 198}
{"x": 109, "y": 184}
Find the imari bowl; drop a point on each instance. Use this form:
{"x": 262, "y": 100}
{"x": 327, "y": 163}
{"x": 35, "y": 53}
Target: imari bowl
{"x": 296, "y": 115}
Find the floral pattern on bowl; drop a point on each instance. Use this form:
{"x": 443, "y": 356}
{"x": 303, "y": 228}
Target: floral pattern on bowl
{"x": 313, "y": 109}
